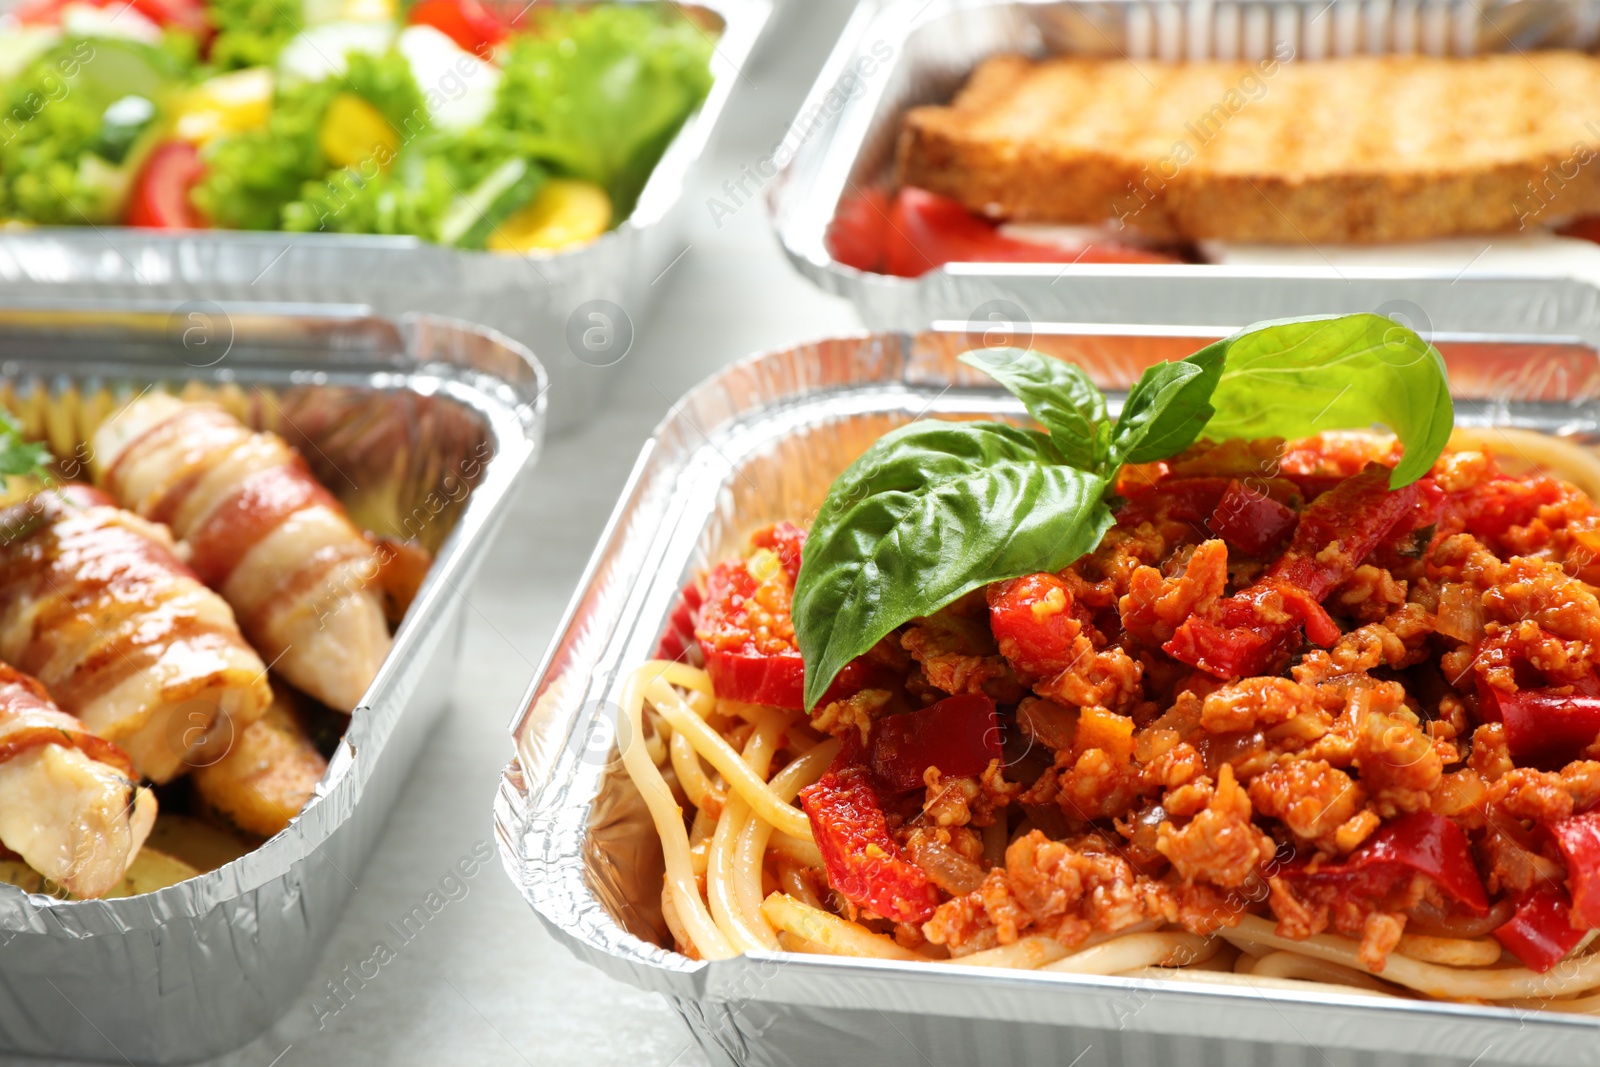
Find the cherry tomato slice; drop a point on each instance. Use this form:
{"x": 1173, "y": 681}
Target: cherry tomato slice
{"x": 160, "y": 197}
{"x": 466, "y": 22}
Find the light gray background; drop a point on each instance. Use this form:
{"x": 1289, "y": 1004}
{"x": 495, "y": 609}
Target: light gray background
{"x": 483, "y": 983}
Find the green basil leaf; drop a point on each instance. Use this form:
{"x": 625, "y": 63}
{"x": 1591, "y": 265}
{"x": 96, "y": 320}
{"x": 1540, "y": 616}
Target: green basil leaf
{"x": 1301, "y": 377}
{"x": 1059, "y": 396}
{"x": 1167, "y": 408}
{"x": 931, "y": 512}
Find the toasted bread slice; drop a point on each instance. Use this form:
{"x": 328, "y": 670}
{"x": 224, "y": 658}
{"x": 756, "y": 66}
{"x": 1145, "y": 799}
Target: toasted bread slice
{"x": 1360, "y": 149}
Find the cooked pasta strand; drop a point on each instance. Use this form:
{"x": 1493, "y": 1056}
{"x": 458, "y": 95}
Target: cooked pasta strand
{"x": 1027, "y": 953}
{"x": 1451, "y": 951}
{"x": 1135, "y": 950}
{"x": 1294, "y": 965}
{"x": 701, "y": 930}
{"x": 1575, "y": 976}
{"x": 839, "y": 936}
{"x": 721, "y": 755}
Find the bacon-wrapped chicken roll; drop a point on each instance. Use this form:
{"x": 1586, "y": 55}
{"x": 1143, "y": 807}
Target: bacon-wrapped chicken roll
{"x": 70, "y": 802}
{"x": 260, "y": 530}
{"x": 96, "y": 605}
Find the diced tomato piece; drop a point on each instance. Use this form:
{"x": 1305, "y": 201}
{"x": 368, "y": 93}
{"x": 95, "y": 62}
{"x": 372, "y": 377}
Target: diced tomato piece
{"x": 864, "y": 863}
{"x": 1251, "y": 634}
{"x": 747, "y": 635}
{"x": 926, "y": 231}
{"x": 960, "y": 735}
{"x": 1033, "y": 621}
{"x": 1419, "y": 843}
{"x": 1578, "y": 838}
{"x": 1252, "y": 522}
{"x": 1542, "y": 725}
{"x": 859, "y": 234}
{"x": 1540, "y": 932}
{"x": 1176, "y": 500}
{"x": 473, "y": 27}
{"x": 786, "y": 540}
{"x": 160, "y": 196}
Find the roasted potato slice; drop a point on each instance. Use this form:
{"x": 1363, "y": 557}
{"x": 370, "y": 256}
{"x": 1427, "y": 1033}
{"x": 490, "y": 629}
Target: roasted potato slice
{"x": 267, "y": 776}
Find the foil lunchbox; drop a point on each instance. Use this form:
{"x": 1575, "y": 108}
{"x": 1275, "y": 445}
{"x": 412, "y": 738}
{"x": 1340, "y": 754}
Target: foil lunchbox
{"x": 544, "y": 301}
{"x": 422, "y": 427}
{"x": 898, "y": 54}
{"x": 761, "y": 442}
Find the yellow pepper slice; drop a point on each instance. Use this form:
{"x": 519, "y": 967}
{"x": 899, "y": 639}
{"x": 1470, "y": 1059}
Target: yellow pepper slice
{"x": 354, "y": 132}
{"x": 228, "y": 103}
{"x": 565, "y": 212}
{"x": 368, "y": 10}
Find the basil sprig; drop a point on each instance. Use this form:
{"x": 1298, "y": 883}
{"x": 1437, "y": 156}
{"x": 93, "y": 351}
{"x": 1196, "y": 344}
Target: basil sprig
{"x": 934, "y": 509}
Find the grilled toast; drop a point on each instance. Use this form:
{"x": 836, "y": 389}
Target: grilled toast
{"x": 1353, "y": 150}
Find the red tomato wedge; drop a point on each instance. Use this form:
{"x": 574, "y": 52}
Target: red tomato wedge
{"x": 186, "y": 15}
{"x": 960, "y": 735}
{"x": 160, "y": 196}
{"x": 468, "y": 23}
{"x": 1540, "y": 932}
{"x": 918, "y": 231}
{"x": 864, "y": 863}
{"x": 1422, "y": 843}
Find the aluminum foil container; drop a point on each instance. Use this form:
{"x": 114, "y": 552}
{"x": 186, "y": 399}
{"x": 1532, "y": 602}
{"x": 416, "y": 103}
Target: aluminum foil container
{"x": 760, "y": 442}
{"x": 898, "y": 54}
{"x": 421, "y": 426}
{"x": 541, "y": 300}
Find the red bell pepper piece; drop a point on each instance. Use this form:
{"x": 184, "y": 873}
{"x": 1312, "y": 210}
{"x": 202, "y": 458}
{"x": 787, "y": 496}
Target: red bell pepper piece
{"x": 1578, "y": 838}
{"x": 926, "y": 231}
{"x": 1540, "y": 932}
{"x": 1031, "y": 617}
{"x": 864, "y": 863}
{"x": 1251, "y": 522}
{"x": 1542, "y": 726}
{"x": 959, "y": 735}
{"x": 1177, "y": 500}
{"x": 1249, "y": 637}
{"x": 679, "y": 635}
{"x": 1358, "y": 513}
{"x": 160, "y": 196}
{"x": 1419, "y": 843}
{"x": 468, "y": 23}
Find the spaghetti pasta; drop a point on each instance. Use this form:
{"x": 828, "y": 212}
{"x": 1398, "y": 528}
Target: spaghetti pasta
{"x": 1054, "y": 812}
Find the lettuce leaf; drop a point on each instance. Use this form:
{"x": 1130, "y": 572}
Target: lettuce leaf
{"x": 599, "y": 93}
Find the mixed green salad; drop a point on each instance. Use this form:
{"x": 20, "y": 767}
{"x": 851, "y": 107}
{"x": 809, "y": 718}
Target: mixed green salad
{"x": 444, "y": 119}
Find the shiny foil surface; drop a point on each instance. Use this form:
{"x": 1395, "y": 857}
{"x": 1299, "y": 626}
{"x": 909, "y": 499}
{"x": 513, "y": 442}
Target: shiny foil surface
{"x": 421, "y": 427}
{"x": 898, "y": 54}
{"x": 532, "y": 298}
{"x": 760, "y": 442}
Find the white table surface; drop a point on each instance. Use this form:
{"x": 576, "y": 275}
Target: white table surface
{"x": 483, "y": 983}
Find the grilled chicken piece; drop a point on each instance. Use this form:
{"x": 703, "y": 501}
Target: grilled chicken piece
{"x": 94, "y": 603}
{"x": 267, "y": 776}
{"x": 70, "y": 802}
{"x": 261, "y": 531}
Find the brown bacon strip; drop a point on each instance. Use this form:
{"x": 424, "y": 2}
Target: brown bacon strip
{"x": 94, "y": 602}
{"x": 70, "y": 803}
{"x": 260, "y": 529}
